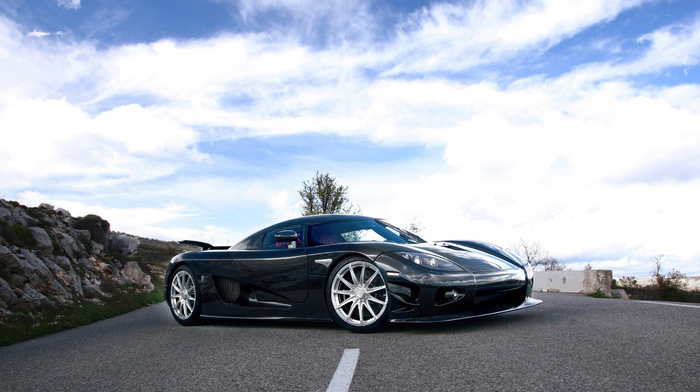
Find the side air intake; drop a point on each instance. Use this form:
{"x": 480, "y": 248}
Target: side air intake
{"x": 229, "y": 290}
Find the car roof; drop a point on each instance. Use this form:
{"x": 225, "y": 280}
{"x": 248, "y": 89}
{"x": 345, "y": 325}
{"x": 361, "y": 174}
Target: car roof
{"x": 301, "y": 221}
{"x": 314, "y": 219}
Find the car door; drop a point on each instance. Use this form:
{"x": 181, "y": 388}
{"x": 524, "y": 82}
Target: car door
{"x": 275, "y": 271}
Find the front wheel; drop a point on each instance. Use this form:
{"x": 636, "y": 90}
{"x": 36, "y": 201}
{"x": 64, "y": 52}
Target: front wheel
{"x": 184, "y": 297}
{"x": 358, "y": 298}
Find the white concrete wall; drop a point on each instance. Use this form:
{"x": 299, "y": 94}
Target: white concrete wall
{"x": 586, "y": 282}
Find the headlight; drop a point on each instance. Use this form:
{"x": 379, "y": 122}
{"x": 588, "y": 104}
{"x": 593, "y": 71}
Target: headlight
{"x": 430, "y": 261}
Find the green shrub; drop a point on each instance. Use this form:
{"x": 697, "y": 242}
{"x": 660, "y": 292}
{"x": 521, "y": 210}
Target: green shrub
{"x": 24, "y": 236}
{"x": 98, "y": 228}
{"x": 87, "y": 243}
{"x": 17, "y": 235}
{"x": 598, "y": 294}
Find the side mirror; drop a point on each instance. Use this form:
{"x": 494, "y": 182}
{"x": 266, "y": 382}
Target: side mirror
{"x": 289, "y": 236}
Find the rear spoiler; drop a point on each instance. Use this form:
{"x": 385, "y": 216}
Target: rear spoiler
{"x": 203, "y": 245}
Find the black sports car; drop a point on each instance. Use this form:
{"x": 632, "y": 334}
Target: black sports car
{"x": 358, "y": 271}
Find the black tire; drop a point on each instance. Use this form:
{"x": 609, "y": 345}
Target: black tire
{"x": 184, "y": 296}
{"x": 357, "y": 295}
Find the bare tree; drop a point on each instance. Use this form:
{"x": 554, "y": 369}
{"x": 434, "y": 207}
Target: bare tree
{"x": 657, "y": 262}
{"x": 674, "y": 279}
{"x": 322, "y": 195}
{"x": 415, "y": 226}
{"x": 537, "y": 256}
{"x": 530, "y": 251}
{"x": 550, "y": 263}
{"x": 628, "y": 282}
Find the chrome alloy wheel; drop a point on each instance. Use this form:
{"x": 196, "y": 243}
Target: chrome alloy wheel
{"x": 359, "y": 294}
{"x": 183, "y": 295}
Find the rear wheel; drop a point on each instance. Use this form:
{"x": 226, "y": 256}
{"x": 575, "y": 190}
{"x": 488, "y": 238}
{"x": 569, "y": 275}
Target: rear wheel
{"x": 184, "y": 296}
{"x": 357, "y": 295}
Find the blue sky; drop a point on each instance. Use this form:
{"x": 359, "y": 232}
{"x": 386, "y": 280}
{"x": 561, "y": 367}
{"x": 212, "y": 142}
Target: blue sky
{"x": 575, "y": 124}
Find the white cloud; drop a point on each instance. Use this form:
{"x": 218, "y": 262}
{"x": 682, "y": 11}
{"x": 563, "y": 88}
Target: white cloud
{"x": 676, "y": 45}
{"x": 144, "y": 133}
{"x": 47, "y": 139}
{"x": 335, "y": 23}
{"x": 668, "y": 47}
{"x": 248, "y": 65}
{"x": 152, "y": 222}
{"x": 42, "y": 34}
{"x": 37, "y": 146}
{"x": 37, "y": 34}
{"x": 119, "y": 218}
{"x": 70, "y": 4}
{"x": 455, "y": 37}
{"x": 41, "y": 68}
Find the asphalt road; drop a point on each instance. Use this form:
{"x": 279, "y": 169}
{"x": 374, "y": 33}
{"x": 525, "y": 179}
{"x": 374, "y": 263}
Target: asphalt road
{"x": 569, "y": 343}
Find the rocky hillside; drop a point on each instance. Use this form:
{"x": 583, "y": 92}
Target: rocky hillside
{"x": 50, "y": 260}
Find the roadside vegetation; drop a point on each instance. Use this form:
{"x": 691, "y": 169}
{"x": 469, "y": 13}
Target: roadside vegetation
{"x": 33, "y": 324}
{"x": 670, "y": 286}
{"x": 598, "y": 294}
{"x": 152, "y": 256}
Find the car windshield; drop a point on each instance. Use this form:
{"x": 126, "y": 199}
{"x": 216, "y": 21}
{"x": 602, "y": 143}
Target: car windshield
{"x": 359, "y": 231}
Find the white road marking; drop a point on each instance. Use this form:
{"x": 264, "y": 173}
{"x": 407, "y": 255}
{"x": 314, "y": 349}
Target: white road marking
{"x": 670, "y": 304}
{"x": 346, "y": 369}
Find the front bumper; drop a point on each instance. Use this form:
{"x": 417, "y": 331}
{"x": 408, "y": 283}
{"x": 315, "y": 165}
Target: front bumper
{"x": 420, "y": 295}
{"x": 529, "y": 302}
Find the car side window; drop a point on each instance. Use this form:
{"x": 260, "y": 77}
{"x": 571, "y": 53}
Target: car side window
{"x": 269, "y": 241}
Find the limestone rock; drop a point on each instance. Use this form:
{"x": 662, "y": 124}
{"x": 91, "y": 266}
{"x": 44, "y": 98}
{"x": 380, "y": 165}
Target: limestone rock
{"x": 155, "y": 270}
{"x": 135, "y": 273}
{"x": 58, "y": 260}
{"x": 69, "y": 245}
{"x": 97, "y": 249}
{"x": 5, "y": 214}
{"x": 36, "y": 271}
{"x": 63, "y": 261}
{"x": 30, "y": 221}
{"x": 61, "y": 275}
{"x": 6, "y": 294}
{"x": 91, "y": 291}
{"x": 43, "y": 241}
{"x": 30, "y": 297}
{"x": 8, "y": 261}
{"x": 125, "y": 244}
{"x": 71, "y": 277}
{"x": 619, "y": 294}
{"x": 18, "y": 268}
{"x": 118, "y": 276}
{"x": 86, "y": 263}
{"x": 19, "y": 219}
{"x": 63, "y": 212}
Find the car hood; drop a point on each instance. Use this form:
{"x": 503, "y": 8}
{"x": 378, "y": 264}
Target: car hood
{"x": 473, "y": 260}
